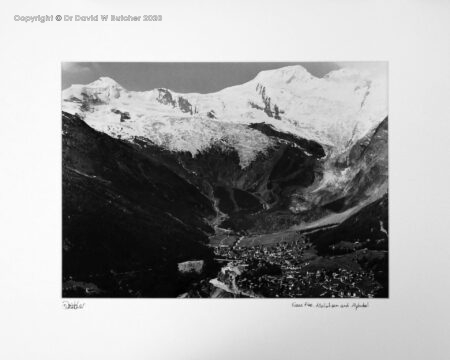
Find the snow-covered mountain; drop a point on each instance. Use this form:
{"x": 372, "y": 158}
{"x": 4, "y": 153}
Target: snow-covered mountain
{"x": 336, "y": 111}
{"x": 286, "y": 155}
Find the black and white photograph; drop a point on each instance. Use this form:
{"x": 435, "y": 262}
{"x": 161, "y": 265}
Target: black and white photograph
{"x": 225, "y": 180}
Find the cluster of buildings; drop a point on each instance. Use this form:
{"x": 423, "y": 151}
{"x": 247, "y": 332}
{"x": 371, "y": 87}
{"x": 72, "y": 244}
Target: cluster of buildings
{"x": 299, "y": 274}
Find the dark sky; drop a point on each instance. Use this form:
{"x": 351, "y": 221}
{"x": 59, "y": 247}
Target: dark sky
{"x": 180, "y": 77}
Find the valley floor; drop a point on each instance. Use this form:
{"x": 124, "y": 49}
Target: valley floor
{"x": 288, "y": 264}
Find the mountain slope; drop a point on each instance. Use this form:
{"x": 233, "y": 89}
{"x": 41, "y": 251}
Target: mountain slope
{"x": 125, "y": 216}
{"x": 358, "y": 175}
{"x": 362, "y": 239}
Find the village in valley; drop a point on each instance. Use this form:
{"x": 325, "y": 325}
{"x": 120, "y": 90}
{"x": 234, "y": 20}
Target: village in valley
{"x": 291, "y": 268}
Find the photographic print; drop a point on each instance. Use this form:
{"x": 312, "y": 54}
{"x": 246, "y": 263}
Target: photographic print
{"x": 225, "y": 180}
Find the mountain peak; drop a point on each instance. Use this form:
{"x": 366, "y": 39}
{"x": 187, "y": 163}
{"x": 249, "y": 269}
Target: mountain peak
{"x": 334, "y": 110}
{"x": 285, "y": 74}
{"x": 104, "y": 82}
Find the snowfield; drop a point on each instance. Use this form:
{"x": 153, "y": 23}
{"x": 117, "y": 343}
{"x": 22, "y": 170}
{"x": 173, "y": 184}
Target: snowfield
{"x": 336, "y": 110}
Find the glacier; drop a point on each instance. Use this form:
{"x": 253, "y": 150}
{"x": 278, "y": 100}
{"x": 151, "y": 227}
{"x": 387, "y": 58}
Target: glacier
{"x": 336, "y": 110}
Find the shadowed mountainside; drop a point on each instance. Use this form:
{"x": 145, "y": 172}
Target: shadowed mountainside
{"x": 363, "y": 238}
{"x": 127, "y": 220}
{"x": 263, "y": 187}
{"x": 133, "y": 210}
